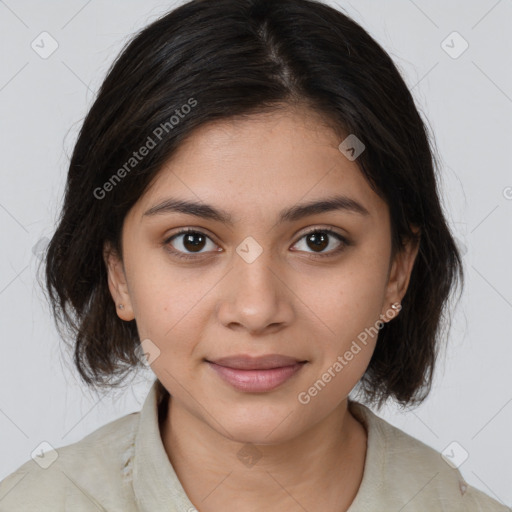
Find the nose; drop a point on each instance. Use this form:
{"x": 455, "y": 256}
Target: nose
{"x": 255, "y": 296}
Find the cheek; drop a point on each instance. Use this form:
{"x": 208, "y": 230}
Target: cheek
{"x": 155, "y": 295}
{"x": 168, "y": 307}
{"x": 348, "y": 298}
{"x": 349, "y": 304}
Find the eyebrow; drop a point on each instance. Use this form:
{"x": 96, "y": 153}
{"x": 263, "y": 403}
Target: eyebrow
{"x": 291, "y": 214}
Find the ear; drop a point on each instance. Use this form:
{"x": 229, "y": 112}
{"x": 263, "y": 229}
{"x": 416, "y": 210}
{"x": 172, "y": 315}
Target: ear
{"x": 400, "y": 274}
{"x": 117, "y": 283}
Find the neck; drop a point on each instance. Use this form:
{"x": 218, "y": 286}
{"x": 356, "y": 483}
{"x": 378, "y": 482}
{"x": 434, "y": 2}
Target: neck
{"x": 322, "y": 468}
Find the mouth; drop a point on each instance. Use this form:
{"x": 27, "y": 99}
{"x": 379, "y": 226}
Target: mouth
{"x": 256, "y": 374}
{"x": 246, "y": 362}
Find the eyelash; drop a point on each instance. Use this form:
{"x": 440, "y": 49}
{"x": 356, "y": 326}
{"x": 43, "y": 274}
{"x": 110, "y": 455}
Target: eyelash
{"x": 185, "y": 256}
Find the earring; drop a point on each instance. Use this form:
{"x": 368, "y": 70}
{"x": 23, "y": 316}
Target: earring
{"x": 120, "y": 306}
{"x": 396, "y": 306}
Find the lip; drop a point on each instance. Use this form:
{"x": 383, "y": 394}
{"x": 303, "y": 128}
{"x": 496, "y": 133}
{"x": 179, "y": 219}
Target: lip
{"x": 256, "y": 374}
{"x": 247, "y": 362}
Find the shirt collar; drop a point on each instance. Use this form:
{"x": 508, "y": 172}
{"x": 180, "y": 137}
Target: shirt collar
{"x": 155, "y": 482}
{"x": 157, "y": 486}
{"x": 372, "y": 489}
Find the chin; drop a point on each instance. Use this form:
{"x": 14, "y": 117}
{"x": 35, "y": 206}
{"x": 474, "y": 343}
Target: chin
{"x": 259, "y": 425}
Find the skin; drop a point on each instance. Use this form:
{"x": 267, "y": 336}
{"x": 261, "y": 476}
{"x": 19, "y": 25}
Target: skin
{"x": 311, "y": 455}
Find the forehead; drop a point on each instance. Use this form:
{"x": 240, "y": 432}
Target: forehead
{"x": 261, "y": 162}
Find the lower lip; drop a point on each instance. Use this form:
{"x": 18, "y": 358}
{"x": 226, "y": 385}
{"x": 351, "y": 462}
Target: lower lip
{"x": 256, "y": 380}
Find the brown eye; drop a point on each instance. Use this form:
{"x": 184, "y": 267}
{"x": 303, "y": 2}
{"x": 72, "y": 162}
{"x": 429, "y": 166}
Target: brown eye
{"x": 187, "y": 243}
{"x": 193, "y": 241}
{"x": 318, "y": 240}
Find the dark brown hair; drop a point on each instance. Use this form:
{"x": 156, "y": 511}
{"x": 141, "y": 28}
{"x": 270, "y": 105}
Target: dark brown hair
{"x": 212, "y": 60}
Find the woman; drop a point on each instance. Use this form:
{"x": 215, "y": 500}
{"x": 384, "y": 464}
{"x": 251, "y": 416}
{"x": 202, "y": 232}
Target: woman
{"x": 251, "y": 209}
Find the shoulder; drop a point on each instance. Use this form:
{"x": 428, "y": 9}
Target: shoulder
{"x": 413, "y": 473}
{"x": 91, "y": 474}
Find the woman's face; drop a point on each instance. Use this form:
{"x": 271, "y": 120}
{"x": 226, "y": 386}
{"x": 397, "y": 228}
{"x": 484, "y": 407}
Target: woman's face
{"x": 256, "y": 283}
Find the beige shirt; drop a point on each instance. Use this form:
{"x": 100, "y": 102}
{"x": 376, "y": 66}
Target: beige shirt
{"x": 123, "y": 467}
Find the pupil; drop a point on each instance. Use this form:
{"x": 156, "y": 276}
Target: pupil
{"x": 189, "y": 239}
{"x": 320, "y": 241}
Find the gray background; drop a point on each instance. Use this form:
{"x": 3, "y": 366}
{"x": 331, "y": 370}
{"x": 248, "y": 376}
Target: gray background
{"x": 468, "y": 103}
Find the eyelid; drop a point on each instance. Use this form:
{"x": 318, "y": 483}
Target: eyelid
{"x": 327, "y": 228}
{"x": 190, "y": 229}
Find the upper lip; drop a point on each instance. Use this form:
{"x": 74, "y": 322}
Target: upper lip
{"x": 246, "y": 362}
